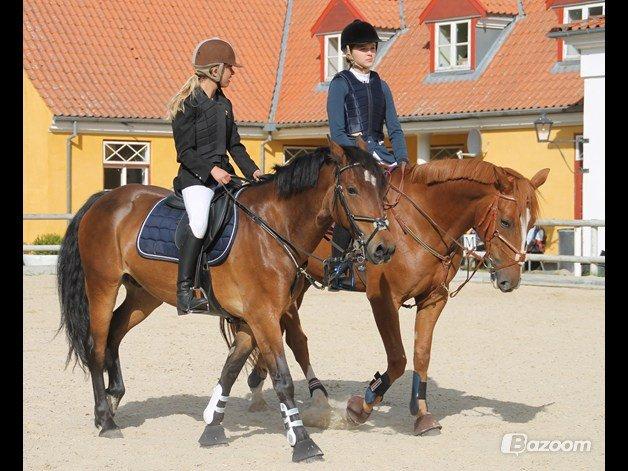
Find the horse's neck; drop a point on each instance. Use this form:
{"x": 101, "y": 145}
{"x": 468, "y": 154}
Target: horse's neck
{"x": 296, "y": 216}
{"x": 453, "y": 205}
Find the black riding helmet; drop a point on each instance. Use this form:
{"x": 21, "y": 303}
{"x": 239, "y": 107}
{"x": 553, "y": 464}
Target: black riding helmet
{"x": 358, "y": 32}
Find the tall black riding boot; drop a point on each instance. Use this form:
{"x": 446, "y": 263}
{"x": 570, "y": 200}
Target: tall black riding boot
{"x": 188, "y": 259}
{"x": 339, "y": 271}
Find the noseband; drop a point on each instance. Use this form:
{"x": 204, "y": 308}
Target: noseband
{"x": 488, "y": 226}
{"x": 379, "y": 224}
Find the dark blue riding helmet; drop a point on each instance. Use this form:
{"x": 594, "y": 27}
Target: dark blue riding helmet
{"x": 358, "y": 32}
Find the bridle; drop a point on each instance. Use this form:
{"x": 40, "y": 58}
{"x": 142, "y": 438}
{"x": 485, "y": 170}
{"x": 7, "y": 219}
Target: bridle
{"x": 486, "y": 226}
{"x": 379, "y": 224}
{"x": 292, "y": 250}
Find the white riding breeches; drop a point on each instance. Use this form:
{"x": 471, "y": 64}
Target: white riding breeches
{"x": 197, "y": 199}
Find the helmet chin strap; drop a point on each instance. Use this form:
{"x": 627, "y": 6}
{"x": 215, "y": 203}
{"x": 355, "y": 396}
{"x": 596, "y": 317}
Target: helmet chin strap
{"x": 214, "y": 75}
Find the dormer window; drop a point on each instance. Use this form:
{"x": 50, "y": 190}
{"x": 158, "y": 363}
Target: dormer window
{"x": 453, "y": 45}
{"x": 334, "y": 58}
{"x": 579, "y": 13}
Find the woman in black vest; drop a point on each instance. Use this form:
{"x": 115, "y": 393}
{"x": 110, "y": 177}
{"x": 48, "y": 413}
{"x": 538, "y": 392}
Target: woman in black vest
{"x": 204, "y": 130}
{"x": 358, "y": 104}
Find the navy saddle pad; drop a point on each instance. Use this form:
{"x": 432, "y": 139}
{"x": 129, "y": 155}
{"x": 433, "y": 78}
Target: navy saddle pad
{"x": 156, "y": 239}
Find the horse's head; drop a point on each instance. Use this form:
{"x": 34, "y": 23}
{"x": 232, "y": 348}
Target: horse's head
{"x": 504, "y": 225}
{"x": 357, "y": 201}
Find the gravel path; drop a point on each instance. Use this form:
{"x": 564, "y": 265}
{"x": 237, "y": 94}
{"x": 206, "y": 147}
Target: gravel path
{"x": 530, "y": 362}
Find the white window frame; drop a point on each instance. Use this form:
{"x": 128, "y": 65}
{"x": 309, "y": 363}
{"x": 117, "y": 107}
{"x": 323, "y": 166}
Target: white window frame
{"x": 447, "y": 151}
{"x": 340, "y": 61}
{"x": 453, "y": 44}
{"x": 124, "y": 165}
{"x": 295, "y": 150}
{"x": 585, "y": 16}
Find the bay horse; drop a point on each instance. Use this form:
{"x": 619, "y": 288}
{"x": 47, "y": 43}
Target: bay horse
{"x": 457, "y": 195}
{"x": 300, "y": 201}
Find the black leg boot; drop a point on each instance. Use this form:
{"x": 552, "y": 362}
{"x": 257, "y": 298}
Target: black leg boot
{"x": 188, "y": 258}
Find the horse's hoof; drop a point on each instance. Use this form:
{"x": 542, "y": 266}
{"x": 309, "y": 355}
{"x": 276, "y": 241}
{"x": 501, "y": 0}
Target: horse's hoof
{"x": 113, "y": 432}
{"x": 355, "y": 412}
{"x": 213, "y": 435}
{"x": 257, "y": 406}
{"x": 306, "y": 450}
{"x": 427, "y": 425}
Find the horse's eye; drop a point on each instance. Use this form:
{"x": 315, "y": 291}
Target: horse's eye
{"x": 352, "y": 190}
{"x": 505, "y": 224}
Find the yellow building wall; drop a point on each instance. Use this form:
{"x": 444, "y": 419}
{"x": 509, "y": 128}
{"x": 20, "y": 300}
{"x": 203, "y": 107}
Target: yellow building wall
{"x": 44, "y": 161}
{"x": 519, "y": 150}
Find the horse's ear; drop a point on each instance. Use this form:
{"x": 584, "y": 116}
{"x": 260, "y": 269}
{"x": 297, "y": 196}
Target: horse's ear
{"x": 361, "y": 143}
{"x": 539, "y": 178}
{"x": 337, "y": 153}
{"x": 504, "y": 181}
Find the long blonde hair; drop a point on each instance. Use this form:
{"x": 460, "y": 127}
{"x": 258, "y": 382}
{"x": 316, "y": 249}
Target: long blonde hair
{"x": 176, "y": 102}
{"x": 211, "y": 71}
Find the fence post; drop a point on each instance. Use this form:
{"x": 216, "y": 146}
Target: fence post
{"x": 577, "y": 250}
{"x": 594, "y": 251}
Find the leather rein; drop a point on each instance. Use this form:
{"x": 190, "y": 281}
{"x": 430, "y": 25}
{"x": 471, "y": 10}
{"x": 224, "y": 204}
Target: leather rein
{"x": 292, "y": 250}
{"x": 487, "y": 226}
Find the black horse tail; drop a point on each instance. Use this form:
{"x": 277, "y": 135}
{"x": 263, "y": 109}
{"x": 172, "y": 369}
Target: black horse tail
{"x": 72, "y": 296}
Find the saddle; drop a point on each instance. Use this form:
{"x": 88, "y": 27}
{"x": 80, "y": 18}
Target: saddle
{"x": 220, "y": 212}
{"x": 164, "y": 229}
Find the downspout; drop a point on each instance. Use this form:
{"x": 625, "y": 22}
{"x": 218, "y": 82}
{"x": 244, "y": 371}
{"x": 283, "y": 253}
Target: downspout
{"x": 68, "y": 167}
{"x": 271, "y": 125}
{"x": 262, "y": 152}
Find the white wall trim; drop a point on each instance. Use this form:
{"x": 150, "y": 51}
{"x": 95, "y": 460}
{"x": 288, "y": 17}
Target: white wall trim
{"x": 134, "y": 128}
{"x": 445, "y": 126}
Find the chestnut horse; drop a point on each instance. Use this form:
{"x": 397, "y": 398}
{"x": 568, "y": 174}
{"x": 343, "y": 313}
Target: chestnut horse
{"x": 499, "y": 203}
{"x": 300, "y": 201}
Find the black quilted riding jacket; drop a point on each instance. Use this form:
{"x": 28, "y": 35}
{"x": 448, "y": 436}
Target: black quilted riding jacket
{"x": 203, "y": 133}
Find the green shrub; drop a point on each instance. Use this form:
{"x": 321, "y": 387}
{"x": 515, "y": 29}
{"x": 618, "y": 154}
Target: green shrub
{"x": 47, "y": 239}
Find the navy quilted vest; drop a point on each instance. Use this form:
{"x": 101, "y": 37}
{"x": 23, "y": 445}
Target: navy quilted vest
{"x": 365, "y": 106}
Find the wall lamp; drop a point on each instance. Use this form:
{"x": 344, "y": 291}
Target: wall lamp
{"x": 543, "y": 128}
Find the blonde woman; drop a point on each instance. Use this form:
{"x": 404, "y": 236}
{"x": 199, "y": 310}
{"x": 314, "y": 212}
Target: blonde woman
{"x": 204, "y": 130}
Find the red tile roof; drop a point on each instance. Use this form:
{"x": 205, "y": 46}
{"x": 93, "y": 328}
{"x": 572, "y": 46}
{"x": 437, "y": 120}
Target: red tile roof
{"x": 500, "y": 7}
{"x": 518, "y": 77}
{"x": 381, "y": 13}
{"x": 122, "y": 59}
{"x": 594, "y": 22}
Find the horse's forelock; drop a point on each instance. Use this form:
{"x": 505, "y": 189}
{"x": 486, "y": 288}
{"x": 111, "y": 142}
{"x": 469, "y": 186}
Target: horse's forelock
{"x": 366, "y": 160}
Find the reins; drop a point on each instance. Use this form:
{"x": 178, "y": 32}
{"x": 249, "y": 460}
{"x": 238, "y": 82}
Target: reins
{"x": 291, "y": 249}
{"x": 489, "y": 221}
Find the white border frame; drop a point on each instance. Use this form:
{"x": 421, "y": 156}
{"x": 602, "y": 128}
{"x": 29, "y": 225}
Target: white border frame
{"x": 452, "y": 46}
{"x": 327, "y": 37}
{"x": 124, "y": 165}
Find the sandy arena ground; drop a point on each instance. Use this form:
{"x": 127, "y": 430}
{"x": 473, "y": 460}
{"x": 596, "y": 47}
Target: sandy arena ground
{"x": 528, "y": 362}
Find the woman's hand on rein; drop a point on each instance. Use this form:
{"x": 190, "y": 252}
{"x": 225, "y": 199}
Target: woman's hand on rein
{"x": 257, "y": 174}
{"x": 220, "y": 175}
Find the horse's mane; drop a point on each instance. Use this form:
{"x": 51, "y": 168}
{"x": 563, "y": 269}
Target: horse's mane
{"x": 479, "y": 171}
{"x": 301, "y": 172}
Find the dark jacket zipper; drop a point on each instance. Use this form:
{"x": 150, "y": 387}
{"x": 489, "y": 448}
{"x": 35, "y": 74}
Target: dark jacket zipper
{"x": 369, "y": 100}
